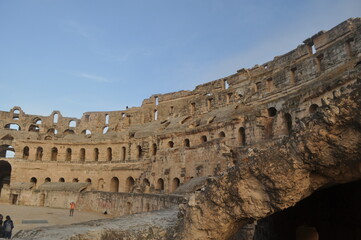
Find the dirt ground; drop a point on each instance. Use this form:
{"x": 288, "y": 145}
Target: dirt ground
{"x": 27, "y": 217}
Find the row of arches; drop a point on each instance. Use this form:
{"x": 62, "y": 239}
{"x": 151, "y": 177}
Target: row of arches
{"x": 130, "y": 184}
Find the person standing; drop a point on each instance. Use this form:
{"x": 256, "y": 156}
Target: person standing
{"x": 72, "y": 207}
{"x": 8, "y": 226}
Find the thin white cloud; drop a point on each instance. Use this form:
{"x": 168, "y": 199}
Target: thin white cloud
{"x": 93, "y": 77}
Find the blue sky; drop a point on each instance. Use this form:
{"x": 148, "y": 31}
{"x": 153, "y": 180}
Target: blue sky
{"x": 84, "y": 55}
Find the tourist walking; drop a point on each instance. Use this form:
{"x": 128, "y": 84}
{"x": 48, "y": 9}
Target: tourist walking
{"x": 8, "y": 226}
{"x": 72, "y": 207}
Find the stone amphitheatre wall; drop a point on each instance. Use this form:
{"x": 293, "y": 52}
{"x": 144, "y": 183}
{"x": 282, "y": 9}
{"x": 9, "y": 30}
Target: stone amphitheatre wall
{"x": 174, "y": 137}
{"x": 270, "y": 136}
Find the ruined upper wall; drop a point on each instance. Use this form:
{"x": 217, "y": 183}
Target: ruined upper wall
{"x": 317, "y": 56}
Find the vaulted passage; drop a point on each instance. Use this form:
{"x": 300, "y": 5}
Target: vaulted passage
{"x": 330, "y": 214}
{"x": 5, "y": 174}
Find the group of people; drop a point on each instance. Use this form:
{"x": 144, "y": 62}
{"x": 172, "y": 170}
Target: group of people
{"x": 6, "y": 227}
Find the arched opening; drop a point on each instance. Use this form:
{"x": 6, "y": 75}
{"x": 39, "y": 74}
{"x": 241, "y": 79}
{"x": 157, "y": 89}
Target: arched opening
{"x": 313, "y": 108}
{"x": 175, "y": 184}
{"x": 129, "y": 184}
{"x": 154, "y": 149}
{"x": 68, "y": 154}
{"x": 75, "y": 180}
{"x": 12, "y": 126}
{"x": 54, "y": 154}
{"x": 204, "y": 139}
{"x": 7, "y": 151}
{"x": 101, "y": 184}
{"x": 114, "y": 184}
{"x": 288, "y": 123}
{"x": 55, "y": 118}
{"x": 155, "y": 115}
{"x": 272, "y": 112}
{"x": 242, "y": 136}
{"x": 123, "y": 153}
{"x": 146, "y": 185}
{"x": 88, "y": 180}
{"x": 187, "y": 142}
{"x": 105, "y": 130}
{"x": 332, "y": 214}
{"x": 82, "y": 154}
{"x": 171, "y": 144}
{"x": 34, "y": 128}
{"x": 139, "y": 151}
{"x": 68, "y": 131}
{"x": 222, "y": 134}
{"x": 106, "y": 119}
{"x": 109, "y": 154}
{"x": 86, "y": 132}
{"x": 48, "y": 179}
{"x": 39, "y": 154}
{"x": 160, "y": 185}
{"x": 96, "y": 154}
{"x": 61, "y": 179}
{"x": 34, "y": 181}
{"x": 72, "y": 123}
{"x": 5, "y": 174}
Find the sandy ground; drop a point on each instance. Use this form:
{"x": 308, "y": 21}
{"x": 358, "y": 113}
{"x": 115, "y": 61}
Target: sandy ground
{"x": 53, "y": 216}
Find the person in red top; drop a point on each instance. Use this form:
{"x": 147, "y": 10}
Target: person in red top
{"x": 72, "y": 207}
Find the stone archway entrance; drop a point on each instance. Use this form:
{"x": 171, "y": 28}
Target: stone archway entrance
{"x": 5, "y": 174}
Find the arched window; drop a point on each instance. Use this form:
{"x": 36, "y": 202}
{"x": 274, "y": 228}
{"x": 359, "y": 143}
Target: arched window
{"x": 313, "y": 108}
{"x": 109, "y": 154}
{"x": 204, "y": 139}
{"x": 187, "y": 142}
{"x": 88, "y": 180}
{"x": 106, "y": 119}
{"x": 160, "y": 184}
{"x": 39, "y": 153}
{"x": 154, "y": 149}
{"x": 13, "y": 126}
{"x": 75, "y": 180}
{"x": 171, "y": 144}
{"x": 96, "y": 154}
{"x": 272, "y": 112}
{"x": 55, "y": 118}
{"x": 101, "y": 184}
{"x": 123, "y": 153}
{"x": 222, "y": 134}
{"x": 114, "y": 184}
{"x": 82, "y": 154}
{"x": 34, "y": 181}
{"x": 72, "y": 123}
{"x": 105, "y": 130}
{"x": 54, "y": 154}
{"x": 61, "y": 179}
{"x": 26, "y": 153}
{"x": 139, "y": 151}
{"x": 175, "y": 184}
{"x": 68, "y": 154}
{"x": 129, "y": 184}
{"x": 242, "y": 136}
{"x": 48, "y": 179}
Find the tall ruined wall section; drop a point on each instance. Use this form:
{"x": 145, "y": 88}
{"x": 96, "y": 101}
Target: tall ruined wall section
{"x": 174, "y": 137}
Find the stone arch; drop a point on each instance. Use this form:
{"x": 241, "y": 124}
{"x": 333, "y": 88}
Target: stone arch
{"x": 242, "y": 136}
{"x": 47, "y": 179}
{"x": 5, "y": 173}
{"x": 39, "y": 154}
{"x": 154, "y": 149}
{"x": 69, "y": 131}
{"x": 109, "y": 154}
{"x": 75, "y": 180}
{"x": 68, "y": 154}
{"x": 101, "y": 184}
{"x": 12, "y": 126}
{"x": 114, "y": 184}
{"x": 146, "y": 185}
{"x": 88, "y": 180}
{"x": 203, "y": 139}
{"x": 160, "y": 185}
{"x": 54, "y": 154}
{"x": 221, "y": 134}
{"x": 272, "y": 112}
{"x": 313, "y": 108}
{"x": 170, "y": 144}
{"x": 34, "y": 128}
{"x": 139, "y": 151}
{"x": 26, "y": 153}
{"x": 123, "y": 153}
{"x": 61, "y": 179}
{"x": 186, "y": 142}
{"x": 34, "y": 181}
{"x": 7, "y": 151}
{"x": 82, "y": 155}
{"x": 288, "y": 123}
{"x": 96, "y": 154}
{"x": 129, "y": 184}
{"x": 175, "y": 184}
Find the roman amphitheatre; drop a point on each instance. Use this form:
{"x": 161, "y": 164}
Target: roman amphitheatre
{"x": 271, "y": 152}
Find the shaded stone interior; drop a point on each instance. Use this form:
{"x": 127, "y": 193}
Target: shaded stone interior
{"x": 333, "y": 214}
